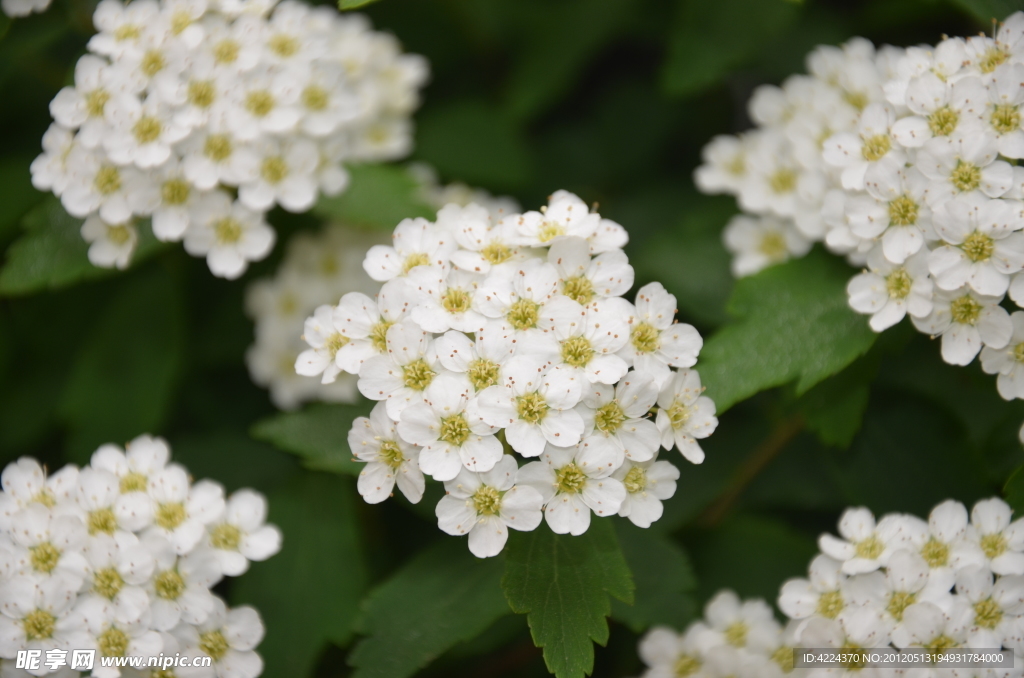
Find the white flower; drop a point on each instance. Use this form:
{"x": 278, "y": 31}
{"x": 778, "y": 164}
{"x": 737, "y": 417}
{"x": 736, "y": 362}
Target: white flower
{"x": 401, "y": 376}
{"x": 179, "y": 589}
{"x": 25, "y": 483}
{"x": 389, "y": 459}
{"x": 1008, "y": 362}
{"x": 142, "y": 459}
{"x": 213, "y": 156}
{"x": 759, "y": 242}
{"x": 938, "y": 106}
{"x": 647, "y": 483}
{"x": 325, "y": 341}
{"x": 228, "y": 234}
{"x": 864, "y": 546}
{"x": 739, "y": 623}
{"x": 889, "y": 291}
{"x": 725, "y": 165}
{"x": 826, "y": 591}
{"x": 941, "y": 543}
{"x": 285, "y": 176}
{"x": 926, "y": 623}
{"x": 444, "y": 299}
{"x": 119, "y": 567}
{"x": 684, "y": 415}
{"x": 142, "y": 133}
{"x": 565, "y": 215}
{"x": 966, "y": 320}
{"x": 45, "y": 543}
{"x": 655, "y": 341}
{"x": 893, "y": 209}
{"x": 105, "y": 508}
{"x": 862, "y": 627}
{"x": 964, "y": 165}
{"x": 534, "y": 404}
{"x": 573, "y": 481}
{"x": 183, "y": 511}
{"x": 452, "y": 436}
{"x": 366, "y": 322}
{"x": 49, "y": 169}
{"x": 228, "y": 637}
{"x": 871, "y": 143}
{"x": 667, "y": 653}
{"x": 111, "y": 638}
{"x": 482, "y": 246}
{"x": 616, "y": 417}
{"x": 995, "y": 605}
{"x": 23, "y": 7}
{"x": 984, "y": 248}
{"x": 480, "y": 359}
{"x": 486, "y": 504}
{"x": 526, "y": 299}
{"x": 36, "y": 614}
{"x": 583, "y": 279}
{"x": 1001, "y": 541}
{"x": 110, "y": 245}
{"x": 241, "y": 534}
{"x": 96, "y": 184}
{"x": 415, "y": 242}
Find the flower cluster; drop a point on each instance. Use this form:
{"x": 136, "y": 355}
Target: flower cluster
{"x": 119, "y": 557}
{"x": 905, "y": 162}
{"x": 493, "y": 335}
{"x": 953, "y": 581}
{"x": 318, "y": 269}
{"x": 204, "y": 114}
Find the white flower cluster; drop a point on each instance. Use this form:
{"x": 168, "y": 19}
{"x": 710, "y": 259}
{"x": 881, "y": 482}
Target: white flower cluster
{"x": 119, "y": 557}
{"x": 906, "y": 163}
{"x": 204, "y": 114}
{"x": 17, "y": 8}
{"x": 500, "y": 335}
{"x": 317, "y": 269}
{"x": 950, "y": 582}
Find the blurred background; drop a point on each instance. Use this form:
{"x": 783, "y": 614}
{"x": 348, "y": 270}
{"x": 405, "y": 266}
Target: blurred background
{"x": 610, "y": 99}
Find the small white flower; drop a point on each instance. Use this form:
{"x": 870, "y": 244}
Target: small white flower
{"x": 401, "y": 376}
{"x": 647, "y": 483}
{"x": 110, "y": 245}
{"x": 389, "y": 459}
{"x": 864, "y": 546}
{"x": 481, "y": 358}
{"x": 872, "y": 142}
{"x": 684, "y": 415}
{"x": 894, "y": 209}
{"x": 415, "y": 242}
{"x": 228, "y": 234}
{"x": 963, "y": 166}
{"x": 565, "y": 215}
{"x": 656, "y": 342}
{"x": 47, "y": 544}
{"x": 616, "y": 417}
{"x": 573, "y": 481}
{"x": 759, "y": 242}
{"x": 584, "y": 279}
{"x": 825, "y": 593}
{"x": 228, "y": 637}
{"x": 739, "y": 623}
{"x": 1008, "y": 362}
{"x": 37, "y": 615}
{"x": 526, "y": 299}
{"x": 995, "y": 605}
{"x": 725, "y": 165}
{"x": 179, "y": 589}
{"x": 486, "y": 504}
{"x": 142, "y": 133}
{"x": 241, "y": 534}
{"x": 444, "y": 299}
{"x": 97, "y": 184}
{"x": 119, "y": 567}
{"x": 366, "y": 322}
{"x": 325, "y": 341}
{"x": 667, "y": 653}
{"x": 1001, "y": 541}
{"x": 183, "y": 511}
{"x": 285, "y": 176}
{"x": 967, "y": 321}
{"x": 889, "y": 291}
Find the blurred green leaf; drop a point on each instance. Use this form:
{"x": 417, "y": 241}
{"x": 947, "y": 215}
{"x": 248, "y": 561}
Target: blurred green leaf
{"x": 562, "y": 584}
{"x": 711, "y": 38}
{"x": 986, "y": 11}
{"x": 234, "y": 459}
{"x": 1014, "y": 492}
{"x": 552, "y": 57}
{"x": 752, "y": 555}
{"x": 835, "y": 408}
{"x": 17, "y": 194}
{"x": 664, "y": 580}
{"x": 318, "y": 434}
{"x": 52, "y": 253}
{"x": 440, "y": 598}
{"x": 793, "y": 324}
{"x": 123, "y": 379}
{"x": 308, "y": 593}
{"x": 345, "y": 5}
{"x": 476, "y": 143}
{"x": 378, "y": 197}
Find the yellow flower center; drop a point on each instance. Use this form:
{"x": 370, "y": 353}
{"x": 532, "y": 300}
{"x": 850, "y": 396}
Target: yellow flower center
{"x": 876, "y": 147}
{"x": 550, "y": 230}
{"x": 152, "y": 63}
{"x": 935, "y": 553}
{"x": 127, "y": 32}
{"x": 978, "y": 246}
{"x": 987, "y": 614}
{"x": 570, "y": 479}
{"x": 336, "y": 342}
{"x": 133, "y": 482}
{"x": 579, "y": 289}
{"x": 260, "y": 103}
{"x": 965, "y": 310}
{"x": 274, "y": 169}
{"x": 1005, "y": 118}
{"x": 225, "y": 536}
{"x": 113, "y": 642}
{"x": 391, "y": 454}
{"x": 870, "y": 548}
{"x": 966, "y": 176}
{"x": 45, "y": 497}
{"x": 39, "y": 625}
{"x": 96, "y": 102}
{"x": 417, "y": 374}
{"x": 577, "y": 351}
{"x": 226, "y": 51}
{"x": 783, "y": 180}
{"x": 169, "y": 584}
{"x": 456, "y": 300}
{"x": 119, "y": 234}
{"x": 830, "y": 604}
{"x": 107, "y": 583}
{"x": 992, "y": 58}
{"x": 645, "y": 338}
{"x": 898, "y": 283}
{"x": 773, "y": 245}
{"x": 523, "y": 314}
{"x": 175, "y": 192}
{"x": 379, "y": 335}
{"x": 736, "y": 634}
{"x": 903, "y": 211}
{"x": 415, "y": 259}
{"x": 201, "y": 93}
{"x": 531, "y": 408}
{"x": 147, "y": 129}
{"x": 686, "y": 666}
{"x": 856, "y": 99}
{"x": 482, "y": 373}
{"x": 496, "y": 253}
{"x": 44, "y": 557}
{"x": 487, "y": 501}
{"x": 102, "y": 520}
{"x": 678, "y": 414}
{"x": 943, "y": 121}
{"x": 227, "y": 230}
{"x": 784, "y": 658}
{"x": 994, "y": 545}
{"x": 218, "y": 147}
{"x": 454, "y": 429}
{"x": 898, "y": 602}
{"x": 315, "y": 98}
{"x": 1018, "y": 352}
{"x": 169, "y": 516}
{"x": 180, "y": 20}
{"x": 107, "y": 180}
{"x": 283, "y": 45}
{"x": 214, "y": 644}
{"x": 609, "y": 418}
{"x": 636, "y": 480}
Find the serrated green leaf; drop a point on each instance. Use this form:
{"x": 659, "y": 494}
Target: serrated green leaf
{"x": 562, "y": 584}
{"x": 1014, "y": 492}
{"x": 794, "y": 324}
{"x": 664, "y": 580}
{"x": 123, "y": 379}
{"x": 986, "y": 11}
{"x": 378, "y": 197}
{"x": 345, "y": 5}
{"x": 308, "y": 594}
{"x": 440, "y": 598}
{"x": 709, "y": 39}
{"x": 318, "y": 434}
{"x": 52, "y": 254}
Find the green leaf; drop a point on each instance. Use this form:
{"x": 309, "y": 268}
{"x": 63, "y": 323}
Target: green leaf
{"x": 308, "y": 593}
{"x": 52, "y": 253}
{"x": 562, "y": 584}
{"x": 664, "y": 580}
{"x": 478, "y": 143}
{"x": 794, "y": 323}
{"x": 378, "y": 197}
{"x": 835, "y": 408}
{"x": 17, "y": 194}
{"x": 986, "y": 11}
{"x": 440, "y": 598}
{"x": 318, "y": 434}
{"x": 345, "y": 5}
{"x": 712, "y": 38}
{"x": 1014, "y": 492}
{"x": 234, "y": 459}
{"x": 123, "y": 379}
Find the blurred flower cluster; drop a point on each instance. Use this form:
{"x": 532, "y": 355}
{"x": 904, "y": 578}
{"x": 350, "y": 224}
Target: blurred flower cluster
{"x": 904, "y": 162}
{"x": 501, "y": 333}
{"x": 950, "y": 582}
{"x": 120, "y": 556}
{"x": 204, "y": 115}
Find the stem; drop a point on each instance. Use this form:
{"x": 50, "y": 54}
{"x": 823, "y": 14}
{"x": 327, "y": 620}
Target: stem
{"x": 762, "y": 455}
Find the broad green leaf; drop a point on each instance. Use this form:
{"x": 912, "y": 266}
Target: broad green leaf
{"x": 478, "y": 143}
{"x": 793, "y": 324}
{"x": 664, "y": 580}
{"x": 17, "y": 194}
{"x": 552, "y": 57}
{"x": 440, "y": 598}
{"x": 710, "y": 39}
{"x": 378, "y": 197}
{"x": 563, "y": 583}
{"x": 345, "y": 5}
{"x": 1014, "y": 492}
{"x": 52, "y": 253}
{"x": 123, "y": 379}
{"x": 234, "y": 459}
{"x": 835, "y": 408}
{"x": 318, "y": 435}
{"x": 751, "y": 555}
{"x": 986, "y": 11}
{"x": 308, "y": 594}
